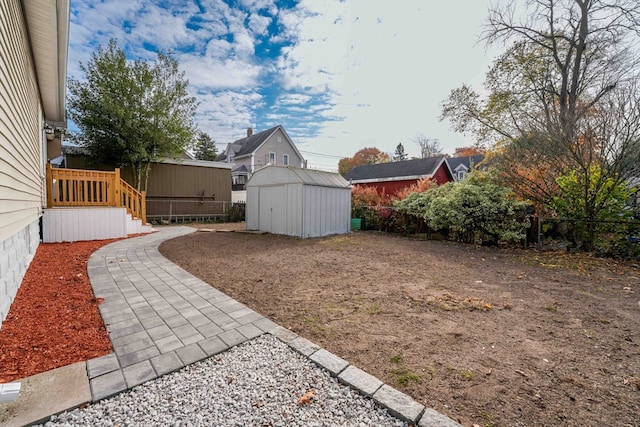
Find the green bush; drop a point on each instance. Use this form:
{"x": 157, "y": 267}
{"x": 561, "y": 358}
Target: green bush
{"x": 473, "y": 210}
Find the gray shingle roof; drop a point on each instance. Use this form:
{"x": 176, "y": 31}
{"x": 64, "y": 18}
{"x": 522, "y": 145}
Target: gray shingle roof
{"x": 467, "y": 161}
{"x": 416, "y": 167}
{"x": 250, "y": 143}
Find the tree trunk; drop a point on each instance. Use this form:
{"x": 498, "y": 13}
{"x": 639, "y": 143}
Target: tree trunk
{"x": 147, "y": 169}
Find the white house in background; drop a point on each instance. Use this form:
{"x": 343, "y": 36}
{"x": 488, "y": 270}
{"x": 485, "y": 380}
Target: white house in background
{"x": 269, "y": 147}
{"x": 33, "y": 72}
{"x": 462, "y": 166}
{"x": 298, "y": 202}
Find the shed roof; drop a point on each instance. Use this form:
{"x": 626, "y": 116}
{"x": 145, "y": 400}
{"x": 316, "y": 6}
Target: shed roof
{"x": 278, "y": 175}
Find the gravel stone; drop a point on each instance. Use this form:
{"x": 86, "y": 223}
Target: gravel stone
{"x": 257, "y": 383}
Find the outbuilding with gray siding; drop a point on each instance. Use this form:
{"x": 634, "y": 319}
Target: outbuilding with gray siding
{"x": 298, "y": 202}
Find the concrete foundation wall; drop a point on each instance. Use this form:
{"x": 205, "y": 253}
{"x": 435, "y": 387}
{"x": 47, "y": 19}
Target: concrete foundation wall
{"x": 16, "y": 253}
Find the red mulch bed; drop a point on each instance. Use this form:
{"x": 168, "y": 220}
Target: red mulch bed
{"x": 54, "y": 319}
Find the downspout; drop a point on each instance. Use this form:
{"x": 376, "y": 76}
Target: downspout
{"x": 253, "y": 162}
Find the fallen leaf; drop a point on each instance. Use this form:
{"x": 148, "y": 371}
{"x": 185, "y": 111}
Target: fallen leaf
{"x": 307, "y": 399}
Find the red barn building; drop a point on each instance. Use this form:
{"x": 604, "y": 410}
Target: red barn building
{"x": 390, "y": 178}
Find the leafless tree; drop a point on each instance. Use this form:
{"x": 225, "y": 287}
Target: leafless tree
{"x": 562, "y": 97}
{"x": 429, "y": 147}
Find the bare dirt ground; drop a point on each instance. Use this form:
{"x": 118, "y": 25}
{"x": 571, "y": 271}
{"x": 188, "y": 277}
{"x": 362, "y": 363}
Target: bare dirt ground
{"x": 487, "y": 336}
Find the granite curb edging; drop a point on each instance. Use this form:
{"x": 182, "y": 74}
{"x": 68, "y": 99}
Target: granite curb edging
{"x": 397, "y": 403}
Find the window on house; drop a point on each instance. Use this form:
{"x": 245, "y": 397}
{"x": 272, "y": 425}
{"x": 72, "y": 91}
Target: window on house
{"x": 272, "y": 158}
{"x": 285, "y": 159}
{"x": 461, "y": 175}
{"x": 230, "y": 159}
{"x": 279, "y": 139}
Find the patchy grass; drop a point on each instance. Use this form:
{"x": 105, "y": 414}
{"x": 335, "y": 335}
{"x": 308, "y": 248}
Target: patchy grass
{"x": 466, "y": 374}
{"x": 403, "y": 376}
{"x": 395, "y": 359}
{"x": 373, "y": 309}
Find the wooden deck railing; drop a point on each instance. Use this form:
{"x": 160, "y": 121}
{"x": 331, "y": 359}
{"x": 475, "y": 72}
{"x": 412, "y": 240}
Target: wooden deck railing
{"x": 77, "y": 187}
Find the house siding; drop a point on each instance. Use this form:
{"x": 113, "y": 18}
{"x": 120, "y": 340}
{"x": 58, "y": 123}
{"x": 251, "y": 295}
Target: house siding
{"x": 21, "y": 158}
{"x": 271, "y": 145}
{"x": 442, "y": 175}
{"x": 21, "y": 134}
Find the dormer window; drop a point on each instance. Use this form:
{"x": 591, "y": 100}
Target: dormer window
{"x": 461, "y": 174}
{"x": 230, "y": 159}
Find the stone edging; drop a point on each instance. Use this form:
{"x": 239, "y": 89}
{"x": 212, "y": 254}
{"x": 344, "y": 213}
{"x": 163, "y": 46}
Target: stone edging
{"x": 396, "y": 402}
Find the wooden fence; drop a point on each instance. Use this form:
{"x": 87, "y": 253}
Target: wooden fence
{"x": 87, "y": 188}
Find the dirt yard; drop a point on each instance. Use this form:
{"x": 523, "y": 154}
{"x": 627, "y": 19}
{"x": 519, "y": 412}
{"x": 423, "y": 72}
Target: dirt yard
{"x": 487, "y": 336}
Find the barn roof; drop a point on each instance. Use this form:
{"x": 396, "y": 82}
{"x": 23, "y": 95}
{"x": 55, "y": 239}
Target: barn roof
{"x": 405, "y": 169}
{"x": 278, "y": 175}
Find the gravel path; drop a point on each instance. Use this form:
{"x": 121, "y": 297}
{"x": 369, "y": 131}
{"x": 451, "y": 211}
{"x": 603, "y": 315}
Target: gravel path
{"x": 257, "y": 383}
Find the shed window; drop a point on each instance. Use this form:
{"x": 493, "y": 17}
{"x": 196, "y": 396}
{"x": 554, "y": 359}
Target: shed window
{"x": 272, "y": 158}
{"x": 285, "y": 159}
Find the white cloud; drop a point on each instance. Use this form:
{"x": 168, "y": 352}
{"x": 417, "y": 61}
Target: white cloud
{"x": 293, "y": 99}
{"x": 226, "y": 115}
{"x": 218, "y": 48}
{"x": 207, "y": 73}
{"x": 259, "y": 23}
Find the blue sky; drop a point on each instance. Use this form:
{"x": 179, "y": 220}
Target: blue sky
{"x": 338, "y": 75}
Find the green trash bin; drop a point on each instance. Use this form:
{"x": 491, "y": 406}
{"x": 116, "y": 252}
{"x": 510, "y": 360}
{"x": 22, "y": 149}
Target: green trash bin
{"x": 356, "y": 223}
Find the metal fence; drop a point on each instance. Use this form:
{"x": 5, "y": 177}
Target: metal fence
{"x": 181, "y": 211}
{"x": 549, "y": 229}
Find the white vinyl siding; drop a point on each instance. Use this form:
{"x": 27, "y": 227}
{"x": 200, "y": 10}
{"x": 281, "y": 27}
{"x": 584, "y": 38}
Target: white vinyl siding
{"x": 21, "y": 135}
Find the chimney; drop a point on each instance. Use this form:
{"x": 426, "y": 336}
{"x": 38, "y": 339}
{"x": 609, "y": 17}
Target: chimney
{"x": 249, "y": 132}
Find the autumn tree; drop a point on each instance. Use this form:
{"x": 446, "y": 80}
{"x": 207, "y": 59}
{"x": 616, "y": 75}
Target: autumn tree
{"x": 131, "y": 113}
{"x": 419, "y": 186}
{"x": 366, "y": 156}
{"x": 429, "y": 147}
{"x": 399, "y": 154}
{"x": 561, "y": 99}
{"x": 205, "y": 147}
{"x": 468, "y": 151}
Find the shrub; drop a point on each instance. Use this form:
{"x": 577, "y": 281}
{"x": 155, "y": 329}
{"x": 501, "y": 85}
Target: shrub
{"x": 368, "y": 204}
{"x": 473, "y": 210}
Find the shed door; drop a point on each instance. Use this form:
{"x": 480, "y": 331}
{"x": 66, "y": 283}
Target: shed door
{"x": 273, "y": 203}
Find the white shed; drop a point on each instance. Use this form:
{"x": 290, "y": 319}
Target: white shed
{"x": 298, "y": 202}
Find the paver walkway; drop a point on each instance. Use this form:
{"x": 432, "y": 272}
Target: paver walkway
{"x": 160, "y": 318}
